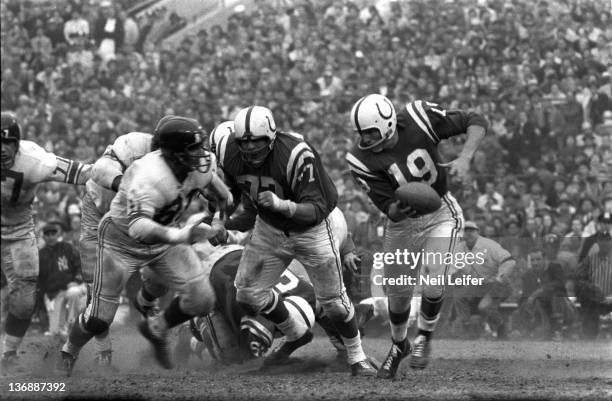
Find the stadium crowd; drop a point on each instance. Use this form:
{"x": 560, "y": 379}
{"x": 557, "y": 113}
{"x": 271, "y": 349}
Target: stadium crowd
{"x": 80, "y": 73}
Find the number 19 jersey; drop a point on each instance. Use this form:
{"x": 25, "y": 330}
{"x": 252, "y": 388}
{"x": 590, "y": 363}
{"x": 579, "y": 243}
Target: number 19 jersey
{"x": 420, "y": 127}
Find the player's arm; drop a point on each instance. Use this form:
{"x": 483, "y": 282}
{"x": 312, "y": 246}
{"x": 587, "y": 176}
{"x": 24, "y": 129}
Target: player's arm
{"x": 303, "y": 178}
{"x": 143, "y": 201}
{"x": 379, "y": 189}
{"x": 69, "y": 171}
{"x": 108, "y": 170}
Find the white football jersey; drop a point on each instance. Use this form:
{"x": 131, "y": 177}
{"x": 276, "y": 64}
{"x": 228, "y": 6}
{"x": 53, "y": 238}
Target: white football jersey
{"x": 32, "y": 166}
{"x": 150, "y": 189}
{"x": 122, "y": 153}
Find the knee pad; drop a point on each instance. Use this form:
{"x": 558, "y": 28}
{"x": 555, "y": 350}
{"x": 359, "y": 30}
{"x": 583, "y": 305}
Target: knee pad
{"x": 339, "y": 308}
{"x": 433, "y": 291}
{"x": 23, "y": 300}
{"x": 95, "y": 325}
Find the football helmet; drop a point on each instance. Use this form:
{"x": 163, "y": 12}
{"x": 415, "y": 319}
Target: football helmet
{"x": 222, "y": 130}
{"x": 374, "y": 112}
{"x": 255, "y": 132}
{"x": 183, "y": 140}
{"x": 11, "y": 132}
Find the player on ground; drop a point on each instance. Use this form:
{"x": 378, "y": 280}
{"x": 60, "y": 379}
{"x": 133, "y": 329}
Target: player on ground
{"x": 100, "y": 190}
{"x": 231, "y": 335}
{"x": 141, "y": 230}
{"x": 394, "y": 149}
{"x": 24, "y": 166}
{"x": 283, "y": 182}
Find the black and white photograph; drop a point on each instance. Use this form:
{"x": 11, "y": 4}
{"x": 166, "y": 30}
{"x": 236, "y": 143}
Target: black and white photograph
{"x": 306, "y": 200}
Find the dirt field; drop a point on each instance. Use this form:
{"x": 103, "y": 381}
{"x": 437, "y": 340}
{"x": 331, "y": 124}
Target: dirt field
{"x": 460, "y": 370}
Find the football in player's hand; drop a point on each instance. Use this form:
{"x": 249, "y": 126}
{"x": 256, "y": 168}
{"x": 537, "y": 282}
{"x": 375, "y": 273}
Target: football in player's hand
{"x": 420, "y": 196}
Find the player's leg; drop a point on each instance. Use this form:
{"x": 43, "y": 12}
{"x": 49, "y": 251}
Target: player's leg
{"x": 318, "y": 250}
{"x": 263, "y": 260}
{"x": 20, "y": 267}
{"x": 112, "y": 268}
{"x": 401, "y": 236}
{"x": 179, "y": 267}
{"x": 88, "y": 242}
{"x": 443, "y": 232}
{"x": 153, "y": 287}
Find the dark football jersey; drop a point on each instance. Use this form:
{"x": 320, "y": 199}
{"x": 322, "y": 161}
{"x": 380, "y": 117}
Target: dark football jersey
{"x": 293, "y": 170}
{"x": 420, "y": 127}
{"x": 223, "y": 274}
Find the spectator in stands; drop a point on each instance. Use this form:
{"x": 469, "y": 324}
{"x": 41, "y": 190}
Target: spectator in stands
{"x": 496, "y": 270}
{"x": 60, "y": 280}
{"x": 108, "y": 32}
{"x": 76, "y": 29}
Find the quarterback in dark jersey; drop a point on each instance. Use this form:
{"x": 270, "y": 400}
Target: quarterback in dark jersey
{"x": 394, "y": 149}
{"x": 282, "y": 178}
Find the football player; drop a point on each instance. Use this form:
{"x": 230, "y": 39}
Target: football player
{"x": 24, "y": 166}
{"x": 101, "y": 188}
{"x": 140, "y": 229}
{"x": 287, "y": 191}
{"x": 231, "y": 335}
{"x": 395, "y": 149}
{"x": 219, "y": 135}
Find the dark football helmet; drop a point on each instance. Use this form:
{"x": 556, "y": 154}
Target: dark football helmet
{"x": 11, "y": 132}
{"x": 183, "y": 140}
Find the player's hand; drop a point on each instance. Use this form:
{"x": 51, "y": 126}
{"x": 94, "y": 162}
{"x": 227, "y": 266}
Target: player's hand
{"x": 459, "y": 167}
{"x": 225, "y": 204}
{"x": 352, "y": 261}
{"x": 194, "y": 230}
{"x": 398, "y": 211}
{"x": 269, "y": 200}
{"x": 221, "y": 236}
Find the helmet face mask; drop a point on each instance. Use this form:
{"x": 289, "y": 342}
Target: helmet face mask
{"x": 255, "y": 132}
{"x": 182, "y": 141}
{"x": 371, "y": 115}
{"x": 254, "y": 151}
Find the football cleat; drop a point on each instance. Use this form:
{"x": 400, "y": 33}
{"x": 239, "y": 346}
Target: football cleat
{"x": 420, "y": 353}
{"x": 281, "y": 355}
{"x": 66, "y": 363}
{"x": 363, "y": 368}
{"x": 9, "y": 362}
{"x": 159, "y": 341}
{"x": 389, "y": 367}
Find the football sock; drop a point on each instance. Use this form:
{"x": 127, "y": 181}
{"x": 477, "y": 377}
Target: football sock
{"x": 399, "y": 325}
{"x": 275, "y": 311}
{"x": 354, "y": 351}
{"x": 103, "y": 342}
{"x": 145, "y": 299}
{"x": 77, "y": 338}
{"x": 430, "y": 313}
{"x": 174, "y": 315}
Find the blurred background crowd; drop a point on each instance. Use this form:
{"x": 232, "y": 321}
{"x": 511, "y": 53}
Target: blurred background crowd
{"x": 78, "y": 73}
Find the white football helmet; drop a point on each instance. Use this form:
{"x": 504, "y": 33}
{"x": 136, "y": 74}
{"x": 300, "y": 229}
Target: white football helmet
{"x": 255, "y": 123}
{"x": 221, "y": 131}
{"x": 374, "y": 111}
